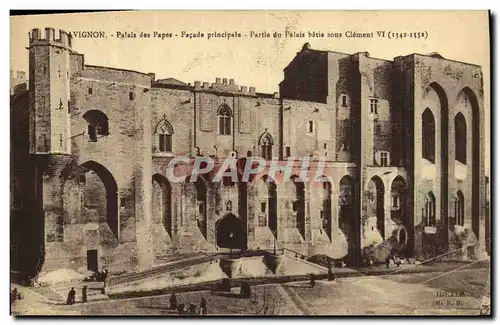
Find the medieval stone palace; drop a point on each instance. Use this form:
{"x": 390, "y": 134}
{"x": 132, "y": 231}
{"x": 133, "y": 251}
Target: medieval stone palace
{"x": 401, "y": 145}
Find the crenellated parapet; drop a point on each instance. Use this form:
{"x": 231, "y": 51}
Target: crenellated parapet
{"x": 52, "y": 36}
{"x": 224, "y": 85}
{"x": 18, "y": 82}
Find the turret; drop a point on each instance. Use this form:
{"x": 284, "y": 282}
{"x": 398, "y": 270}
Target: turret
{"x": 49, "y": 78}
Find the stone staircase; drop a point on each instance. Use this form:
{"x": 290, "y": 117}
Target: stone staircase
{"x": 160, "y": 269}
{"x": 249, "y": 265}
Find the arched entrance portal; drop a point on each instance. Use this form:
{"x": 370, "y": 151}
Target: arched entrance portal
{"x": 230, "y": 232}
{"x": 436, "y": 97}
{"x": 162, "y": 202}
{"x": 100, "y": 195}
{"x": 90, "y": 198}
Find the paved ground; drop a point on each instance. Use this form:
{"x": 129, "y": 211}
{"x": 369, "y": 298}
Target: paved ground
{"x": 411, "y": 294}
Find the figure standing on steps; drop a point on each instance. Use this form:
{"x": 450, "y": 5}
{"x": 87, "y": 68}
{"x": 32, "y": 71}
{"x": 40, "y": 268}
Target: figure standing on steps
{"x": 173, "y": 301}
{"x": 71, "y": 297}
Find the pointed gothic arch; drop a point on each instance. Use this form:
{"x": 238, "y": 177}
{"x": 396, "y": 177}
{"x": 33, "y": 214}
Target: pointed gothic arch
{"x": 429, "y": 210}
{"x": 163, "y": 135}
{"x": 266, "y": 144}
{"x": 436, "y": 94}
{"x": 111, "y": 191}
{"x": 460, "y": 138}
{"x": 428, "y": 135}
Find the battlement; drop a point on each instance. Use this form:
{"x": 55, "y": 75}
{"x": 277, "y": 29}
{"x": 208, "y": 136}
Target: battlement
{"x": 19, "y": 76}
{"x": 224, "y": 85}
{"x": 18, "y": 81}
{"x": 50, "y": 35}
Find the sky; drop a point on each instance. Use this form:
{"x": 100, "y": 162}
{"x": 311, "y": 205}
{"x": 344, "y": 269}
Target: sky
{"x": 259, "y": 62}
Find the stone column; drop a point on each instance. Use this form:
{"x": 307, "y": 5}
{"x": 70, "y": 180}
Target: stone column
{"x": 215, "y": 210}
{"x": 388, "y": 222}
{"x": 334, "y": 206}
{"x": 53, "y": 208}
{"x": 51, "y": 166}
{"x": 143, "y": 184}
{"x": 307, "y": 214}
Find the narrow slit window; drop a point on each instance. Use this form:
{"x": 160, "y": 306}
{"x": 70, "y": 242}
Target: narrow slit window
{"x": 374, "y": 106}
{"x": 344, "y": 100}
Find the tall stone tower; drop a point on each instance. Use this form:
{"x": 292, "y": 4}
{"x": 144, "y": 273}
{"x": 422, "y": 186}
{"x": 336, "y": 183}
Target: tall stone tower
{"x": 50, "y": 91}
{"x": 50, "y": 136}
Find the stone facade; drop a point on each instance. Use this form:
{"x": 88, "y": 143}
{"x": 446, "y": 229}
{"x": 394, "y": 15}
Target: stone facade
{"x": 93, "y": 181}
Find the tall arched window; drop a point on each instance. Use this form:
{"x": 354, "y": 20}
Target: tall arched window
{"x": 460, "y": 138}
{"x": 266, "y": 145}
{"x": 164, "y": 132}
{"x": 429, "y": 210}
{"x": 428, "y": 136}
{"x": 459, "y": 209}
{"x": 97, "y": 124}
{"x": 224, "y": 115}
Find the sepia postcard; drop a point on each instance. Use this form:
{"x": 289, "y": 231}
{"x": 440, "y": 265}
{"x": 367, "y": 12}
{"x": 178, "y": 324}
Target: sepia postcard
{"x": 241, "y": 163}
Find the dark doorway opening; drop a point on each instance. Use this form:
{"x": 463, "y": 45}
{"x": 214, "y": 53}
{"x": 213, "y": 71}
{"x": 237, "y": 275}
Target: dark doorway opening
{"x": 379, "y": 204}
{"x": 230, "y": 232}
{"x": 402, "y": 236}
{"x": 348, "y": 220}
{"x": 92, "y": 264}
